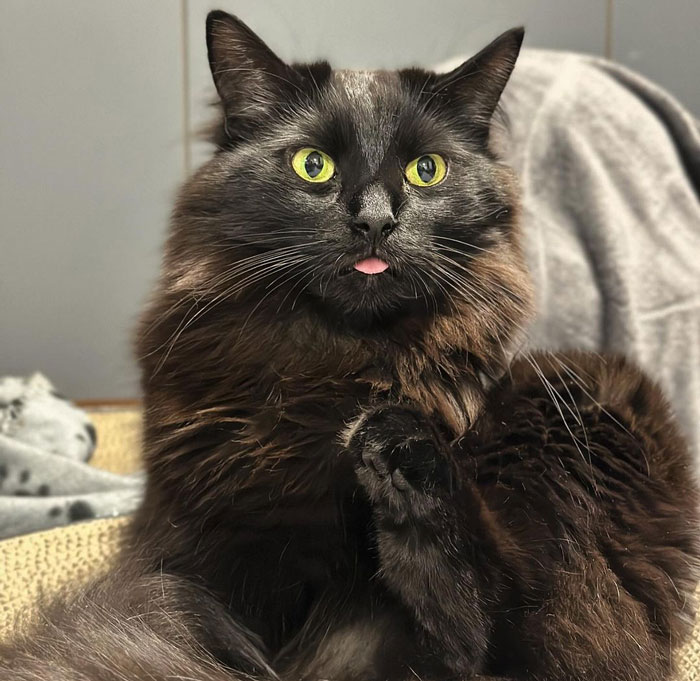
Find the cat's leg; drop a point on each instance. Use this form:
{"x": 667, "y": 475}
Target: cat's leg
{"x": 129, "y": 625}
{"x": 566, "y": 537}
{"x": 451, "y": 562}
{"x": 428, "y": 557}
{"x": 582, "y": 458}
{"x": 589, "y": 628}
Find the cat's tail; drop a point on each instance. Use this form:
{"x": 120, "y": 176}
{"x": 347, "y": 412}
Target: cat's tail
{"x": 131, "y": 625}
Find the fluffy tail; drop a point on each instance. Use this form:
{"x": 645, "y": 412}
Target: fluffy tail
{"x": 130, "y": 625}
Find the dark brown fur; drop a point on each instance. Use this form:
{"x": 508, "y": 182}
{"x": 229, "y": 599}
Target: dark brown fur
{"x": 374, "y": 494}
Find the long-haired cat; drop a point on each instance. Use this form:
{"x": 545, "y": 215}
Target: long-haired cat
{"x": 351, "y": 475}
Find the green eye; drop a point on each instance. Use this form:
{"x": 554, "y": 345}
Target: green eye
{"x": 425, "y": 171}
{"x": 313, "y": 165}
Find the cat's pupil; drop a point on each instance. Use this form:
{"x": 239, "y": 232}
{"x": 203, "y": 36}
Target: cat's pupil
{"x": 313, "y": 164}
{"x": 426, "y": 168}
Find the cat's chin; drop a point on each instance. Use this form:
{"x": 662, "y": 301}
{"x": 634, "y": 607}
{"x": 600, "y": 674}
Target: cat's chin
{"x": 364, "y": 302}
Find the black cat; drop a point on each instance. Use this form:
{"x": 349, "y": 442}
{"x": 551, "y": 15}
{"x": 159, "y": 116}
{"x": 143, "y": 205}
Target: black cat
{"x": 350, "y": 474}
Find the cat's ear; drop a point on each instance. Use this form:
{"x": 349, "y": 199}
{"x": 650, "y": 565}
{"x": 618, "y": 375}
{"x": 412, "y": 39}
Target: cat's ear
{"x": 249, "y": 77}
{"x": 476, "y": 86}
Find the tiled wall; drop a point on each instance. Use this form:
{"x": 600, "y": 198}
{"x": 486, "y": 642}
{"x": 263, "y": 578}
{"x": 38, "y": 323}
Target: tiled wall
{"x": 100, "y": 102}
{"x": 91, "y": 150}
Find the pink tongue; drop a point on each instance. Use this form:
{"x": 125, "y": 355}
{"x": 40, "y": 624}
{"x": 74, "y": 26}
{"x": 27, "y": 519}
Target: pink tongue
{"x": 371, "y": 266}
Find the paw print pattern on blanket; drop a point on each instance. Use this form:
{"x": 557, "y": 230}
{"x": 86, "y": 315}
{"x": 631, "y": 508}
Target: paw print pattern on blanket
{"x": 31, "y": 411}
{"x": 45, "y": 480}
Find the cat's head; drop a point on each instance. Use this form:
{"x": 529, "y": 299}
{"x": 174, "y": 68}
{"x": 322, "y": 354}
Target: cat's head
{"x": 362, "y": 197}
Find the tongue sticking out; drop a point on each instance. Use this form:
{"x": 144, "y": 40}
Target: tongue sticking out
{"x": 371, "y": 266}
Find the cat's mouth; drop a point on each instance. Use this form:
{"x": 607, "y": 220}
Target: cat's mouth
{"x": 367, "y": 266}
{"x": 371, "y": 266}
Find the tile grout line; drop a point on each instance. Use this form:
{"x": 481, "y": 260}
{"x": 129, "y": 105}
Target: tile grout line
{"x": 184, "y": 47}
{"x": 608, "y": 29}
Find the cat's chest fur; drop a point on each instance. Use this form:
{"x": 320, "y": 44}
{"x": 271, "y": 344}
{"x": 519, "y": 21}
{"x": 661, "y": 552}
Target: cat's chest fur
{"x": 262, "y": 441}
{"x": 247, "y": 463}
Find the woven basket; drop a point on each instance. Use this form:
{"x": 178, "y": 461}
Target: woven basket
{"x": 42, "y": 562}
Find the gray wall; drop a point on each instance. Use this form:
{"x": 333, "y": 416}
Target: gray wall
{"x": 99, "y": 103}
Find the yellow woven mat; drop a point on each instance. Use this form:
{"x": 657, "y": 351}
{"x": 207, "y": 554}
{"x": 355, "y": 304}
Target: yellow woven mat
{"x": 118, "y": 440}
{"x": 41, "y": 562}
{"x": 44, "y": 561}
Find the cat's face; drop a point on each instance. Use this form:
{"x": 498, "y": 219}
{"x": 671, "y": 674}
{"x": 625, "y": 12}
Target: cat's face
{"x": 362, "y": 195}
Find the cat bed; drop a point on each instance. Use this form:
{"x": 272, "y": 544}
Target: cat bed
{"x": 42, "y": 562}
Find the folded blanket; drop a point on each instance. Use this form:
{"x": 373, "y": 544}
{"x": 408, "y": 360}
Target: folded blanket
{"x": 609, "y": 166}
{"x": 45, "y": 442}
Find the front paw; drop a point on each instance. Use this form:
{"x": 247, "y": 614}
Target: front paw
{"x": 399, "y": 461}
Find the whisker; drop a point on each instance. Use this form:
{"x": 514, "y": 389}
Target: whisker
{"x": 579, "y": 382}
{"x": 264, "y": 264}
{"x": 225, "y": 295}
{"x": 267, "y": 295}
{"x": 313, "y": 268}
{"x": 555, "y": 396}
{"x": 461, "y": 242}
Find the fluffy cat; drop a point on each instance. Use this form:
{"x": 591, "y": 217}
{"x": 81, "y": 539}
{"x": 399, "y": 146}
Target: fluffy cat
{"x": 351, "y": 475}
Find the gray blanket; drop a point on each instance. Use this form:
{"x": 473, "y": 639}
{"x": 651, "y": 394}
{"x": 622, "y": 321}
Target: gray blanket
{"x": 609, "y": 167}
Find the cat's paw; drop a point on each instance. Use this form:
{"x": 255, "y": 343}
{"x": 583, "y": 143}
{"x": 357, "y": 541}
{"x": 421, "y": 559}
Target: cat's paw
{"x": 399, "y": 462}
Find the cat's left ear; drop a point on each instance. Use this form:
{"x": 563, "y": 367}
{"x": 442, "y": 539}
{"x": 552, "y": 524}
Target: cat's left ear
{"x": 476, "y": 86}
{"x": 249, "y": 77}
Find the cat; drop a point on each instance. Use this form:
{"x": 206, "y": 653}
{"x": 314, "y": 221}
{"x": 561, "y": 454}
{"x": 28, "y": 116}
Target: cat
{"x": 353, "y": 475}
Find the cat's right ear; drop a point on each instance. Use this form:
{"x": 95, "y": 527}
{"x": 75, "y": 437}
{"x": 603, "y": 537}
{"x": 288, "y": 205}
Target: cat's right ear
{"x": 249, "y": 77}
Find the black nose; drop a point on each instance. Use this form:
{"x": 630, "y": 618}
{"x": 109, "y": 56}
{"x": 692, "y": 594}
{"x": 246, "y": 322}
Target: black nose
{"x": 374, "y": 229}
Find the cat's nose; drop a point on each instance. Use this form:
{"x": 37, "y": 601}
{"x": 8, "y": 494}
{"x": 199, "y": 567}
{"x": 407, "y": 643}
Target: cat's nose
{"x": 374, "y": 229}
{"x": 375, "y": 219}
